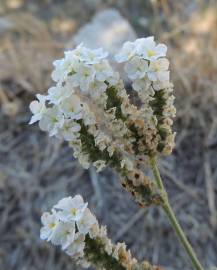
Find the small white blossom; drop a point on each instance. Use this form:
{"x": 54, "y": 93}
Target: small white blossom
{"x": 72, "y": 209}
{"x": 83, "y": 76}
{"x": 102, "y": 140}
{"x": 96, "y": 88}
{"x": 136, "y": 68}
{"x": 64, "y": 234}
{"x": 50, "y": 222}
{"x": 103, "y": 70}
{"x": 158, "y": 70}
{"x": 111, "y": 150}
{"x": 88, "y": 117}
{"x": 86, "y": 222}
{"x": 84, "y": 160}
{"x": 100, "y": 165}
{"x": 51, "y": 121}
{"x": 126, "y": 53}
{"x": 159, "y": 85}
{"x": 128, "y": 164}
{"x": 70, "y": 130}
{"x": 58, "y": 93}
{"x": 38, "y": 108}
{"x": 72, "y": 107}
{"x": 63, "y": 68}
{"x": 141, "y": 85}
{"x": 59, "y": 73}
{"x": 76, "y": 249}
{"x": 147, "y": 48}
{"x": 77, "y": 52}
{"x": 113, "y": 80}
{"x": 91, "y": 57}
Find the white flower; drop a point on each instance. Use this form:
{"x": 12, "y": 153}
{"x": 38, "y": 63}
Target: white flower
{"x": 58, "y": 93}
{"x": 96, "y": 88}
{"x": 76, "y": 249}
{"x": 64, "y": 67}
{"x": 136, "y": 68}
{"x": 88, "y": 117}
{"x": 113, "y": 80}
{"x": 72, "y": 209}
{"x": 70, "y": 130}
{"x": 83, "y": 77}
{"x": 127, "y": 163}
{"x": 158, "y": 70}
{"x": 159, "y": 85}
{"x": 102, "y": 140}
{"x": 76, "y": 145}
{"x": 59, "y": 71}
{"x": 103, "y": 70}
{"x": 64, "y": 234}
{"x": 111, "y": 150}
{"x": 99, "y": 164}
{"x": 76, "y": 52}
{"x": 51, "y": 121}
{"x": 72, "y": 107}
{"x": 147, "y": 48}
{"x": 86, "y": 222}
{"x": 126, "y": 53}
{"x": 91, "y": 57}
{"x": 50, "y": 222}
{"x": 84, "y": 160}
{"x": 38, "y": 108}
{"x": 141, "y": 85}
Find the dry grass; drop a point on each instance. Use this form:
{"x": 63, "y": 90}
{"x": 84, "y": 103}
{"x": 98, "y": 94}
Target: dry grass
{"x": 36, "y": 171}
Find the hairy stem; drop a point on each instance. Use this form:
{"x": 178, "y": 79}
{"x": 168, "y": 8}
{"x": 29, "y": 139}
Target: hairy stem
{"x": 174, "y": 222}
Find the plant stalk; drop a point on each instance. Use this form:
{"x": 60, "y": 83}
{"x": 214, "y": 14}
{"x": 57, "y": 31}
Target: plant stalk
{"x": 174, "y": 222}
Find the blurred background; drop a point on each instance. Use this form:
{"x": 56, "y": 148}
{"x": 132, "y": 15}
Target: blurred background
{"x": 36, "y": 171}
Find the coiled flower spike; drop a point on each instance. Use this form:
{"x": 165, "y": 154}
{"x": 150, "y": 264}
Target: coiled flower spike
{"x": 71, "y": 225}
{"x": 97, "y": 119}
{"x": 90, "y": 108}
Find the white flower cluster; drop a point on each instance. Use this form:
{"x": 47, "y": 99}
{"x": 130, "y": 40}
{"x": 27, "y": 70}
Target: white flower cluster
{"x": 145, "y": 63}
{"x": 71, "y": 225}
{"x": 67, "y": 225}
{"x": 82, "y": 73}
{"x": 85, "y": 68}
{"x": 73, "y": 110}
{"x": 89, "y": 107}
{"x": 148, "y": 68}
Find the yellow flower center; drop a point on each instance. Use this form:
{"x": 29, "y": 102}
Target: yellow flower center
{"x": 151, "y": 53}
{"x": 91, "y": 55}
{"x": 73, "y": 211}
{"x": 54, "y": 120}
{"x": 51, "y": 225}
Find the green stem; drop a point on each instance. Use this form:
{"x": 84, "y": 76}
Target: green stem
{"x": 170, "y": 214}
